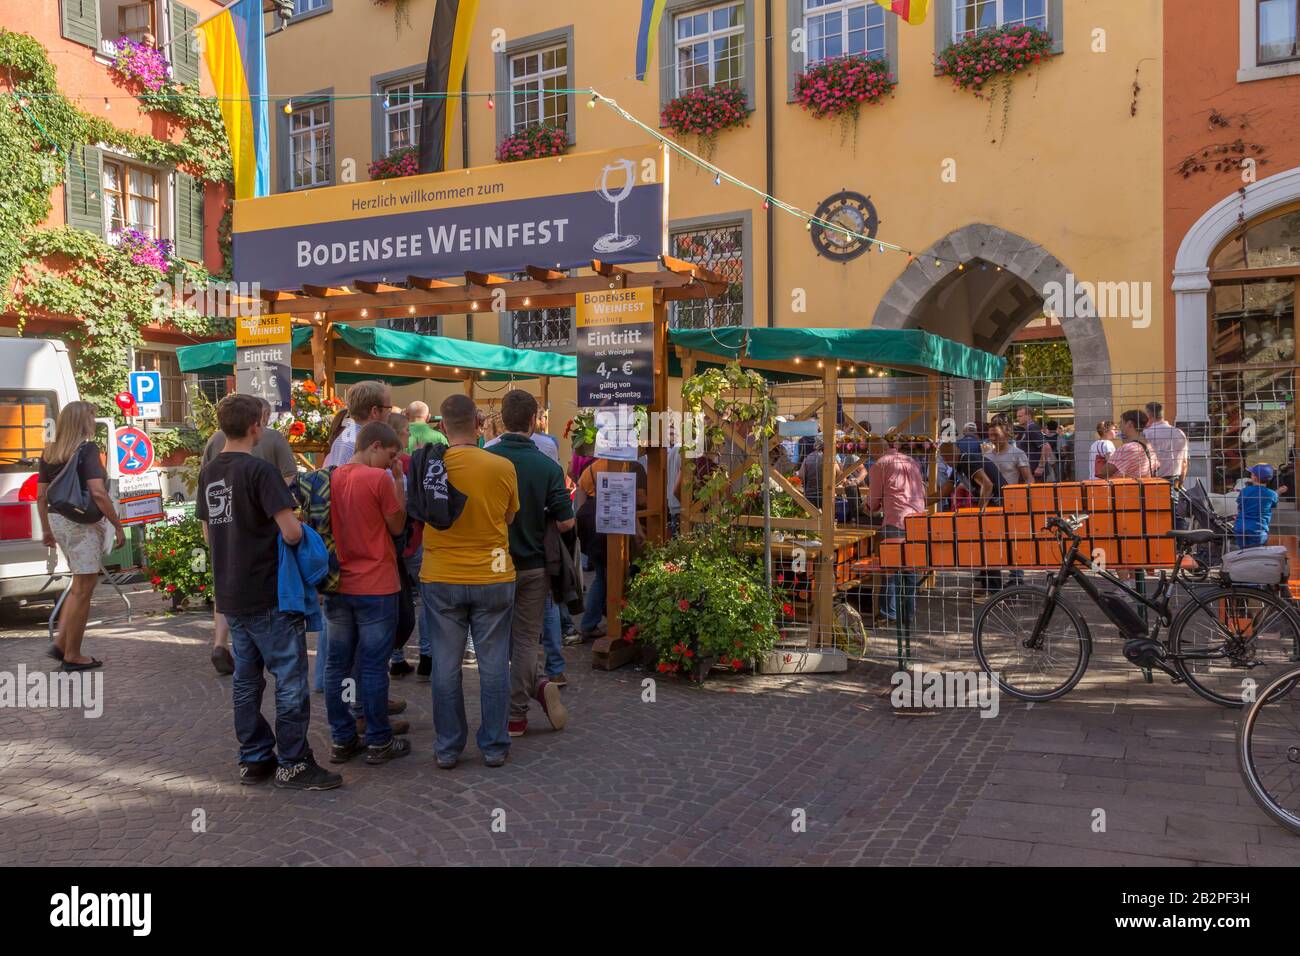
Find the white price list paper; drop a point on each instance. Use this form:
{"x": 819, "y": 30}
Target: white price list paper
{"x": 616, "y": 502}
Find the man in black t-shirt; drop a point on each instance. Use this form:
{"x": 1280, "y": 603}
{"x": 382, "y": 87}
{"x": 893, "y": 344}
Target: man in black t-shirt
{"x": 1040, "y": 449}
{"x": 245, "y": 509}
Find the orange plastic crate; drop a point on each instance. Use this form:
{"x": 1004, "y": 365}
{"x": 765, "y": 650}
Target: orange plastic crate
{"x": 1049, "y": 553}
{"x": 943, "y": 526}
{"x": 1020, "y": 526}
{"x": 968, "y": 524}
{"x": 996, "y": 553}
{"x": 1069, "y": 497}
{"x": 1015, "y": 499}
{"x": 943, "y": 554}
{"x": 1130, "y": 524}
{"x": 1042, "y": 499}
{"x": 1159, "y": 523}
{"x": 917, "y": 527}
{"x": 993, "y": 524}
{"x": 1127, "y": 493}
{"x": 970, "y": 554}
{"x": 1101, "y": 525}
{"x": 1161, "y": 551}
{"x": 1108, "y": 548}
{"x": 1157, "y": 494}
{"x": 1024, "y": 554}
{"x": 1097, "y": 496}
{"x": 891, "y": 554}
{"x": 915, "y": 554}
{"x": 1133, "y": 551}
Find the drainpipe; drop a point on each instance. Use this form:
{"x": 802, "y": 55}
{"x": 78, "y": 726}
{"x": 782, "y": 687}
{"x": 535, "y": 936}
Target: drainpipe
{"x": 767, "y": 133}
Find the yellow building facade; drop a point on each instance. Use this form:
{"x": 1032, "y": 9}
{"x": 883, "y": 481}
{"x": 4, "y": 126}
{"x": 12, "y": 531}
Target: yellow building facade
{"x": 1041, "y": 194}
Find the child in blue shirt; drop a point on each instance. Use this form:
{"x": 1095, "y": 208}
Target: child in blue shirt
{"x": 1255, "y": 504}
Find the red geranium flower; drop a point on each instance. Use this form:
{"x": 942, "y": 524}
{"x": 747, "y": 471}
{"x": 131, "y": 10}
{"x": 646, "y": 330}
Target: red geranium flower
{"x": 155, "y": 581}
{"x": 787, "y": 609}
{"x": 683, "y": 605}
{"x": 170, "y": 588}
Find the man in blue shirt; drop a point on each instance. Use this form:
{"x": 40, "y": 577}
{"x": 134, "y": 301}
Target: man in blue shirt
{"x": 1255, "y": 504}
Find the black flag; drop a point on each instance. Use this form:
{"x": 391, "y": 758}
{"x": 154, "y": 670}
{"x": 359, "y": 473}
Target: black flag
{"x": 453, "y": 22}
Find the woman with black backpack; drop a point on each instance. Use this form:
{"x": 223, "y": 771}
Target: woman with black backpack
{"x": 76, "y": 513}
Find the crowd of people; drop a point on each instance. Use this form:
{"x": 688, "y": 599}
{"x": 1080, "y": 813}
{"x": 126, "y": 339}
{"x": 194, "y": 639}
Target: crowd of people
{"x": 464, "y": 518}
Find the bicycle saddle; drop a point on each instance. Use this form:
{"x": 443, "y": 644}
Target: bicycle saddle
{"x": 1196, "y": 536}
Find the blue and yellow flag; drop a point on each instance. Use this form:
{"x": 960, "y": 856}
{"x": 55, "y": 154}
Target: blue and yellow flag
{"x": 651, "y": 12}
{"x": 234, "y": 47}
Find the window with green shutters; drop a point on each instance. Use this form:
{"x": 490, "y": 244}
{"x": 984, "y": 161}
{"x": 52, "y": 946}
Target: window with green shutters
{"x": 80, "y": 21}
{"x": 82, "y": 191}
{"x": 184, "y": 49}
{"x": 189, "y": 217}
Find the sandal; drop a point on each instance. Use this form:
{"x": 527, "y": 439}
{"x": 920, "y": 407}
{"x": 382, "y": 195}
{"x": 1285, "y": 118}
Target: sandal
{"x": 89, "y": 665}
{"x": 54, "y": 652}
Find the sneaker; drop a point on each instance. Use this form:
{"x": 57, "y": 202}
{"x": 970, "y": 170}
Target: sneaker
{"x": 398, "y": 727}
{"x": 396, "y": 747}
{"x": 396, "y": 706}
{"x": 306, "y": 775}
{"x": 572, "y": 639}
{"x": 559, "y": 680}
{"x": 256, "y": 772}
{"x": 548, "y": 695}
{"x": 498, "y": 761}
{"x": 399, "y": 669}
{"x": 516, "y": 728}
{"x": 222, "y": 661}
{"x": 424, "y": 670}
{"x": 447, "y": 763}
{"x": 342, "y": 753}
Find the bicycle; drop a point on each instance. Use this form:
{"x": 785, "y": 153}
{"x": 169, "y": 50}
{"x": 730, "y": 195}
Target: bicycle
{"x": 1036, "y": 645}
{"x": 1268, "y": 750}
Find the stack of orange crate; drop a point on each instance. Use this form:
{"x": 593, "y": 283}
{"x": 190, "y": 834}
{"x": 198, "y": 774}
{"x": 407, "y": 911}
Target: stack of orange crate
{"x": 1127, "y": 521}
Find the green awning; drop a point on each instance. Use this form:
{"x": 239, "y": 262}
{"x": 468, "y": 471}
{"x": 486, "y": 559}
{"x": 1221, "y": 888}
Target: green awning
{"x": 218, "y": 358}
{"x": 498, "y": 362}
{"x": 1030, "y": 398}
{"x": 909, "y": 348}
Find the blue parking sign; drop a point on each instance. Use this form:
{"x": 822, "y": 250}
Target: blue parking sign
{"x": 146, "y": 387}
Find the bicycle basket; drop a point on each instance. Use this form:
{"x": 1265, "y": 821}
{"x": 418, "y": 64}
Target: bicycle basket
{"x": 1265, "y": 565}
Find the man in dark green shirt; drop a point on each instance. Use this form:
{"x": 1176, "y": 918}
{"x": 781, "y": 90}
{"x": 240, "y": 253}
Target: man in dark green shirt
{"x": 543, "y": 497}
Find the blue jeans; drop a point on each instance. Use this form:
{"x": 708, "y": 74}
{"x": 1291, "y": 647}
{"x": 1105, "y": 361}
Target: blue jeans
{"x": 276, "y": 642}
{"x": 595, "y": 600}
{"x": 902, "y": 584}
{"x": 450, "y": 610}
{"x": 413, "y": 563}
{"x": 1250, "y": 539}
{"x": 361, "y": 629}
{"x": 552, "y": 639}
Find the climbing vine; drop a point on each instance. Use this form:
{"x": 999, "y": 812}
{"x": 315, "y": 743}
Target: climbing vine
{"x": 67, "y": 271}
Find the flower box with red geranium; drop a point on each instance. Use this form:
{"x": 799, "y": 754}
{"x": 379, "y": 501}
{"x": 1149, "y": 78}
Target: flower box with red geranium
{"x": 144, "y": 64}
{"x": 706, "y": 112}
{"x": 973, "y": 61}
{"x": 533, "y": 142}
{"x": 310, "y": 415}
{"x": 841, "y": 85}
{"x": 700, "y": 604}
{"x": 398, "y": 163}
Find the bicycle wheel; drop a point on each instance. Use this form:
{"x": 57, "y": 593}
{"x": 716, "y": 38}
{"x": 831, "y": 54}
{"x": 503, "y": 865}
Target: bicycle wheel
{"x": 850, "y": 631}
{"x": 1268, "y": 750}
{"x": 1240, "y": 639}
{"x": 1007, "y": 621}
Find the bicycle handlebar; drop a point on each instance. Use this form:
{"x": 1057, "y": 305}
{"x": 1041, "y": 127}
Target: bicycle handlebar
{"x": 1069, "y": 526}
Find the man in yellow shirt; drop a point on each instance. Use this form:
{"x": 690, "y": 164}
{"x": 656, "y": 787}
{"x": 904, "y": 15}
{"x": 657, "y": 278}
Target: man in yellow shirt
{"x": 467, "y": 580}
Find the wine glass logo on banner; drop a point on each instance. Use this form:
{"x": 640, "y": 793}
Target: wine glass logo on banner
{"x": 614, "y": 241}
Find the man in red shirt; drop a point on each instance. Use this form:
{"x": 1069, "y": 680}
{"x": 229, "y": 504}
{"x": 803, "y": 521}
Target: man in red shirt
{"x": 366, "y": 495}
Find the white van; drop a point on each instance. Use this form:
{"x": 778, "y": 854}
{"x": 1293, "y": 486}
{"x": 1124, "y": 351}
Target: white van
{"x": 35, "y": 383}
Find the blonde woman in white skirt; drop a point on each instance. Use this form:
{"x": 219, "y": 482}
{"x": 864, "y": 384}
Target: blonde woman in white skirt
{"x": 82, "y": 537}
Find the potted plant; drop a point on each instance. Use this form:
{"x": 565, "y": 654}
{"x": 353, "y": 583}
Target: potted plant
{"x": 398, "y": 163}
{"x": 840, "y": 86}
{"x": 177, "y": 559}
{"x": 310, "y": 416}
{"x": 706, "y": 112}
{"x": 1000, "y": 54}
{"x": 143, "y": 63}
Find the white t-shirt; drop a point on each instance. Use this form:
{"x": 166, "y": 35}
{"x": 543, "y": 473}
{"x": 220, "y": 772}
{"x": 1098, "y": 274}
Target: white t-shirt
{"x": 1100, "y": 447}
{"x": 1009, "y": 463}
{"x": 345, "y": 446}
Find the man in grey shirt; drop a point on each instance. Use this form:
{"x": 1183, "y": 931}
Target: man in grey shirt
{"x": 273, "y": 447}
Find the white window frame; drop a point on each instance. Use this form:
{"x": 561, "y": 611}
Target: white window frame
{"x": 413, "y": 107}
{"x": 308, "y": 6}
{"x": 519, "y": 81}
{"x": 162, "y": 197}
{"x": 958, "y": 5}
{"x": 708, "y": 37}
{"x": 296, "y": 135}
{"x": 843, "y": 7}
{"x": 1251, "y": 69}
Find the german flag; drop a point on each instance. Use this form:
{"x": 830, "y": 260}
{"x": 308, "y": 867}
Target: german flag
{"x": 913, "y": 11}
{"x": 444, "y": 72}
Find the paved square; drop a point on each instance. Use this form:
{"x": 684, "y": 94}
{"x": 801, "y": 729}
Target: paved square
{"x": 701, "y": 776}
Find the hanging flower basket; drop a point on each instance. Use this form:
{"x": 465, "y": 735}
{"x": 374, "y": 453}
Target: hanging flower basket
{"x": 398, "y": 163}
{"x": 706, "y": 112}
{"x": 1004, "y": 52}
{"x": 533, "y": 142}
{"x": 840, "y": 86}
{"x": 144, "y": 64}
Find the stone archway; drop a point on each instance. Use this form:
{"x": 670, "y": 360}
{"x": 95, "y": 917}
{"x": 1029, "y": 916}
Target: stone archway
{"x": 1036, "y": 268}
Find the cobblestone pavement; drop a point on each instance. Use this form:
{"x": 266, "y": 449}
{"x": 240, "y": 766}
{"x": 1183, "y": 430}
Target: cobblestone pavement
{"x": 700, "y": 776}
